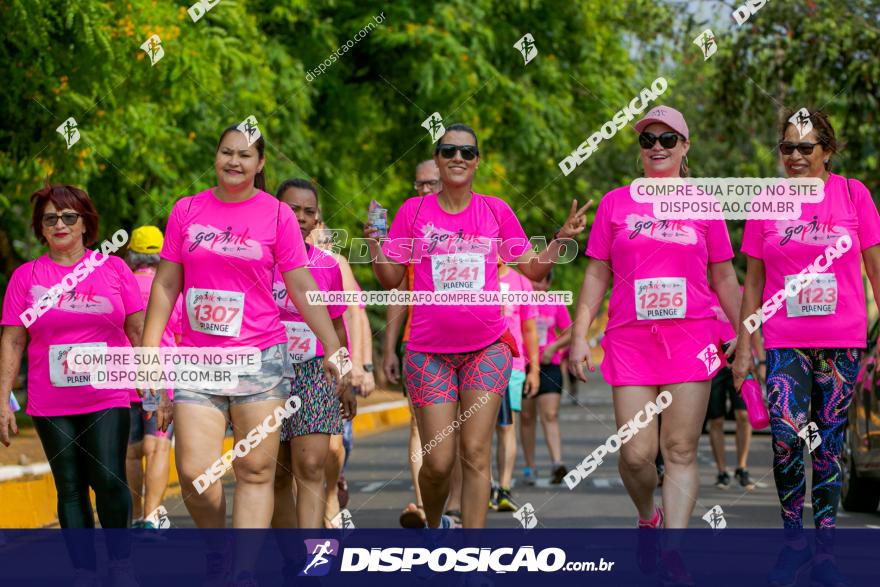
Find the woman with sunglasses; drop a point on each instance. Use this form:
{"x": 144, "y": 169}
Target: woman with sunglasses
{"x": 103, "y": 306}
{"x": 813, "y": 342}
{"x": 221, "y": 249}
{"x": 459, "y": 354}
{"x": 660, "y": 323}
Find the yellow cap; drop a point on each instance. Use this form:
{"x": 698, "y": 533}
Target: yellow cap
{"x": 146, "y": 239}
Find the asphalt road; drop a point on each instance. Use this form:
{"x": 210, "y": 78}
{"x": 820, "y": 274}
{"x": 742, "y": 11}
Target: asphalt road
{"x": 380, "y": 483}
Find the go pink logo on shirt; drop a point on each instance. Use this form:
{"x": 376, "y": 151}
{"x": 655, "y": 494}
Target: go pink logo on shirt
{"x": 224, "y": 242}
{"x": 447, "y": 241}
{"x": 812, "y": 232}
{"x": 668, "y": 231}
{"x": 76, "y": 300}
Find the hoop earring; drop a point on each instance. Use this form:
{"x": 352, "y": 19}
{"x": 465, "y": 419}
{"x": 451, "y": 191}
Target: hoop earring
{"x": 640, "y": 168}
{"x": 686, "y": 163}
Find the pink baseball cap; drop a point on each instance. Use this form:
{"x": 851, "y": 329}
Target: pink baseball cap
{"x": 665, "y": 115}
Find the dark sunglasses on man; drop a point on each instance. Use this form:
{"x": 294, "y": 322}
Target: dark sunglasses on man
{"x": 787, "y": 148}
{"x": 68, "y": 218}
{"x": 468, "y": 152}
{"x": 668, "y": 139}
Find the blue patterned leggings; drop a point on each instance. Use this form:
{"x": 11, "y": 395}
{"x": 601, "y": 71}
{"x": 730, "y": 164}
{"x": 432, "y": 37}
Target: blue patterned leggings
{"x": 809, "y": 385}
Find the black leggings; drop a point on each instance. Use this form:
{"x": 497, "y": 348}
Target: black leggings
{"x": 88, "y": 450}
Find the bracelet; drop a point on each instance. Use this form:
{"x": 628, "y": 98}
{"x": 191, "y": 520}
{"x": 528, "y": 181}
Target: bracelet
{"x": 368, "y": 367}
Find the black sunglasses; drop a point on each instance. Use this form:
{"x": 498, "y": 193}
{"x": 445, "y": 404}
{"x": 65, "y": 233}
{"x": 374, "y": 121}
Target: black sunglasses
{"x": 787, "y": 148}
{"x": 468, "y": 152}
{"x": 667, "y": 139}
{"x": 68, "y": 218}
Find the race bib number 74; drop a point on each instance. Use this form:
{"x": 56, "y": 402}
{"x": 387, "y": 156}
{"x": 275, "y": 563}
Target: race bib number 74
{"x": 214, "y": 311}
{"x": 661, "y": 298}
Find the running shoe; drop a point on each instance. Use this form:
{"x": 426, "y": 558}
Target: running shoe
{"x": 342, "y": 491}
{"x": 723, "y": 481}
{"x": 826, "y": 574}
{"x": 559, "y": 473}
{"x": 493, "y": 499}
{"x": 505, "y": 501}
{"x": 646, "y": 557}
{"x": 529, "y": 476}
{"x": 672, "y": 570}
{"x": 744, "y": 480}
{"x": 789, "y": 565}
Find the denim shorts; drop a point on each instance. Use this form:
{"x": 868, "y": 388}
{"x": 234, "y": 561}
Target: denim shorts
{"x": 271, "y": 383}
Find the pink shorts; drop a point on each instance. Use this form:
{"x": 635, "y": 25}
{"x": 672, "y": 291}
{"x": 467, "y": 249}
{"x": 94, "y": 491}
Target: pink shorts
{"x": 661, "y": 352}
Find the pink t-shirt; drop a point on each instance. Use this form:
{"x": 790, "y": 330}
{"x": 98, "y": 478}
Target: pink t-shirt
{"x": 550, "y": 320}
{"x": 516, "y": 315}
{"x": 831, "y": 311}
{"x": 93, "y": 312}
{"x": 455, "y": 252}
{"x": 229, "y": 251}
{"x": 301, "y": 341}
{"x": 144, "y": 277}
{"x": 659, "y": 266}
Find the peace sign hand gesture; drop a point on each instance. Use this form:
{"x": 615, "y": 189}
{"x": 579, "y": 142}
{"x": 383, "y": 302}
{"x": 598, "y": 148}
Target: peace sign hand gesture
{"x": 576, "y": 221}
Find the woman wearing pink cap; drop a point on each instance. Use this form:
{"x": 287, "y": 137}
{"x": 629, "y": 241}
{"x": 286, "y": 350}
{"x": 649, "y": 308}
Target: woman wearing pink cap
{"x": 459, "y": 353}
{"x": 814, "y": 333}
{"x": 660, "y": 323}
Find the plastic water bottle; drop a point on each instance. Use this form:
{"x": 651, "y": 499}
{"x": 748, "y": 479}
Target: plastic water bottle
{"x": 759, "y": 417}
{"x": 13, "y": 403}
{"x": 151, "y": 402}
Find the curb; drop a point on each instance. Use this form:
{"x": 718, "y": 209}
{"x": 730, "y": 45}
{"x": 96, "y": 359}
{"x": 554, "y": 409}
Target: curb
{"x": 30, "y": 490}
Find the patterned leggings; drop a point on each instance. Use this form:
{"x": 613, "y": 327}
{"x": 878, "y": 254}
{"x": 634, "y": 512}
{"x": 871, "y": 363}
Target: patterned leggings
{"x": 809, "y": 385}
{"x": 436, "y": 378}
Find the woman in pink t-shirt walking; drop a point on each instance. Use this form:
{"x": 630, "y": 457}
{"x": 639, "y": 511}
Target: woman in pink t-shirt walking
{"x": 459, "y": 353}
{"x": 660, "y": 331}
{"x": 808, "y": 271}
{"x": 83, "y": 428}
{"x": 221, "y": 250}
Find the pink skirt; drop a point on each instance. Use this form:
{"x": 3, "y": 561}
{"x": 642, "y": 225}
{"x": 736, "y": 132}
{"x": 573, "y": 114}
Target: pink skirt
{"x": 662, "y": 352}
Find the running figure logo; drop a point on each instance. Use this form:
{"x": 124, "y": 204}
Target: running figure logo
{"x": 159, "y": 516}
{"x": 69, "y": 131}
{"x": 810, "y": 434}
{"x": 526, "y": 516}
{"x": 709, "y": 356}
{"x": 434, "y": 125}
{"x": 715, "y": 518}
{"x": 341, "y": 360}
{"x": 343, "y": 520}
{"x": 321, "y": 554}
{"x": 801, "y": 120}
{"x": 526, "y": 46}
{"x": 153, "y": 48}
{"x": 249, "y": 129}
{"x": 706, "y": 42}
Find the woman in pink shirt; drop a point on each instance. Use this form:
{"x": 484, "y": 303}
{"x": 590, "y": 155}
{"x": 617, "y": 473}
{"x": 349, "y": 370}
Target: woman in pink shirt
{"x": 305, "y": 436}
{"x": 149, "y": 448}
{"x": 808, "y": 272}
{"x": 100, "y": 306}
{"x": 221, "y": 249}
{"x": 660, "y": 326}
{"x": 459, "y": 353}
{"x": 554, "y": 333}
